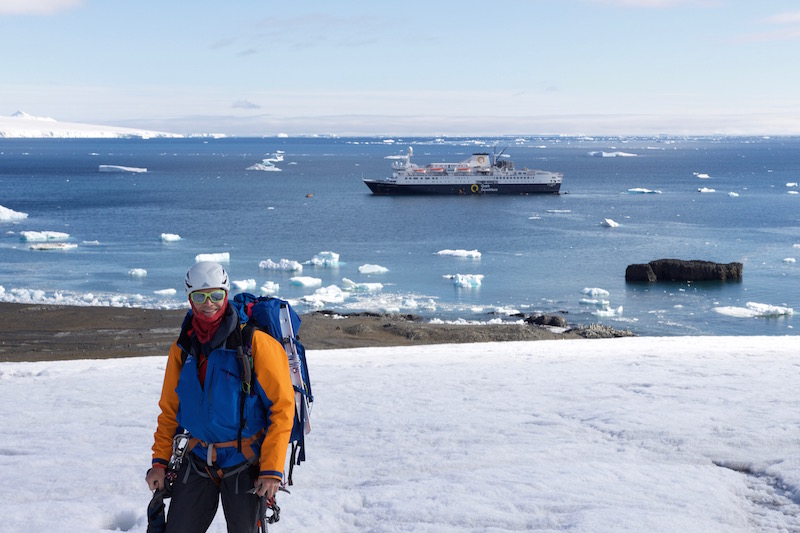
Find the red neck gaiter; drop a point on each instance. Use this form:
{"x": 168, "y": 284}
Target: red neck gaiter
{"x": 205, "y": 326}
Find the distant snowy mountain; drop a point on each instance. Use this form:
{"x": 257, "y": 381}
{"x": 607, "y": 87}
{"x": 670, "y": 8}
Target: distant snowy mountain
{"x": 21, "y": 125}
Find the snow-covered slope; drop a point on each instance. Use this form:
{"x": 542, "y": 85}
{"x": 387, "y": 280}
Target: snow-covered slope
{"x": 21, "y": 125}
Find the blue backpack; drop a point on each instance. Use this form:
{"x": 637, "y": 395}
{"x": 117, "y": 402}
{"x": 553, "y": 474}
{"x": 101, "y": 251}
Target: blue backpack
{"x": 276, "y": 317}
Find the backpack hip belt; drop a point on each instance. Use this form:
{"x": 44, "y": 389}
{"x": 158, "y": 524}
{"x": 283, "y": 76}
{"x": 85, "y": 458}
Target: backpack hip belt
{"x": 211, "y": 454}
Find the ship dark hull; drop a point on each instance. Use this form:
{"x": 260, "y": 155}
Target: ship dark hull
{"x": 385, "y": 188}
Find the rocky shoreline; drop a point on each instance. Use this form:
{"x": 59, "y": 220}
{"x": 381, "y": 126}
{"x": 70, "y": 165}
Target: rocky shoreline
{"x": 32, "y": 332}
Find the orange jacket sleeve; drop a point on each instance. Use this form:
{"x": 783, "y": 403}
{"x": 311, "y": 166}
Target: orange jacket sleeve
{"x": 167, "y": 422}
{"x": 272, "y": 371}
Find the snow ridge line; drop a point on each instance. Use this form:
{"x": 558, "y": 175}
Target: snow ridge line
{"x": 769, "y": 494}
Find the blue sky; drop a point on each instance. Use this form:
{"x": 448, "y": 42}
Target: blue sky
{"x": 256, "y": 67}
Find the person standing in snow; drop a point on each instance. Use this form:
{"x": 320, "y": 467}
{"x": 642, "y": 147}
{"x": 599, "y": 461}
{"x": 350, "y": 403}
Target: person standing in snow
{"x": 238, "y": 432}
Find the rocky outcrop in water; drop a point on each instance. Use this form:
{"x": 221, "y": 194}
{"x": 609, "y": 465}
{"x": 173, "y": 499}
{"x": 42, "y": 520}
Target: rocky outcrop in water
{"x": 683, "y": 270}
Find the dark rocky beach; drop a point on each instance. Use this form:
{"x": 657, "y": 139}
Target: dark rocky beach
{"x": 34, "y": 332}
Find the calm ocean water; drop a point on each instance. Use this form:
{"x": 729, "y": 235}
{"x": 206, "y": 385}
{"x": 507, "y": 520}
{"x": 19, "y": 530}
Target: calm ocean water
{"x": 538, "y": 253}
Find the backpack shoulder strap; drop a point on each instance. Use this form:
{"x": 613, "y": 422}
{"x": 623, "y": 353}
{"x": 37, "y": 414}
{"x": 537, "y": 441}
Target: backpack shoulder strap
{"x": 184, "y": 341}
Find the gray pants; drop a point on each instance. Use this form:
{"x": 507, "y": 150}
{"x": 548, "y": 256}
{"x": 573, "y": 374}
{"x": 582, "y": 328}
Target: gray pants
{"x": 194, "y": 502}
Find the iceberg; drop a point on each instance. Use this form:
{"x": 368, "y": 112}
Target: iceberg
{"x": 264, "y": 167}
{"x": 467, "y": 281}
{"x": 9, "y": 215}
{"x": 283, "y": 264}
{"x": 608, "y": 312}
{"x": 754, "y": 310}
{"x": 733, "y": 194}
{"x": 702, "y": 175}
{"x": 472, "y": 254}
{"x": 790, "y": 260}
{"x": 39, "y": 236}
{"x": 45, "y": 246}
{"x": 594, "y": 302}
{"x": 323, "y": 295}
{"x": 372, "y": 269}
{"x": 170, "y": 237}
{"x": 306, "y": 281}
{"x": 268, "y": 164}
{"x": 270, "y": 287}
{"x": 705, "y": 190}
{"x": 595, "y": 291}
{"x": 21, "y": 125}
{"x": 350, "y": 285}
{"x": 166, "y": 292}
{"x": 641, "y": 190}
{"x": 118, "y": 168}
{"x": 325, "y": 259}
{"x": 610, "y": 154}
{"x": 137, "y": 272}
{"x": 223, "y": 257}
{"x": 610, "y": 223}
{"x": 244, "y": 284}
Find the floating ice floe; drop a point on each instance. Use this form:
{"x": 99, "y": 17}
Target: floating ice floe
{"x": 372, "y": 269}
{"x": 792, "y": 192}
{"x": 9, "y": 215}
{"x": 170, "y": 237}
{"x": 283, "y": 264}
{"x": 305, "y": 281}
{"x": 610, "y": 223}
{"x": 268, "y": 164}
{"x": 559, "y": 211}
{"x": 792, "y": 184}
{"x": 467, "y": 281}
{"x": 270, "y": 287}
{"x": 733, "y": 194}
{"x": 608, "y": 312}
{"x": 118, "y": 168}
{"x": 325, "y": 259}
{"x": 594, "y": 302}
{"x": 23, "y": 295}
{"x": 472, "y": 254}
{"x": 790, "y": 260}
{"x": 595, "y": 291}
{"x": 53, "y": 246}
{"x": 40, "y": 236}
{"x": 244, "y": 284}
{"x": 264, "y": 167}
{"x": 350, "y": 285}
{"x": 610, "y": 154}
{"x": 702, "y": 175}
{"x": 753, "y": 310}
{"x": 705, "y": 189}
{"x": 137, "y": 272}
{"x": 642, "y": 190}
{"x": 166, "y": 292}
{"x": 223, "y": 257}
{"x": 324, "y": 295}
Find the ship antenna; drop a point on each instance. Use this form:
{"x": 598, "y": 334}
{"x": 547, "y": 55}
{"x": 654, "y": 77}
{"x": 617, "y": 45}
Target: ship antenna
{"x": 495, "y": 156}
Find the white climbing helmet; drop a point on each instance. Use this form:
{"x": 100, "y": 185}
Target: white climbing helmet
{"x": 206, "y": 275}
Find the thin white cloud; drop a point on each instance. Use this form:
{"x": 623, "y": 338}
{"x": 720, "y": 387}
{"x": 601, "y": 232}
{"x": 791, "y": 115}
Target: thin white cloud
{"x": 792, "y": 17}
{"x": 37, "y": 7}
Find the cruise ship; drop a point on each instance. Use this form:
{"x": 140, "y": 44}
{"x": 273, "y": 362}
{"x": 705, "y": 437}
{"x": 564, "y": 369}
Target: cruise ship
{"x": 482, "y": 173}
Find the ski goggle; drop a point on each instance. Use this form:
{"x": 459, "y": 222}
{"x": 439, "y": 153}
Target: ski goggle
{"x": 200, "y": 297}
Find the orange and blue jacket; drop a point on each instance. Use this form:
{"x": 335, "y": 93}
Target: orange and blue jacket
{"x": 211, "y": 411}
